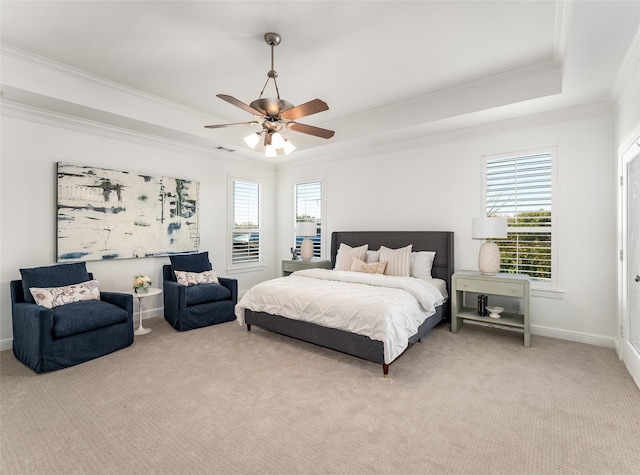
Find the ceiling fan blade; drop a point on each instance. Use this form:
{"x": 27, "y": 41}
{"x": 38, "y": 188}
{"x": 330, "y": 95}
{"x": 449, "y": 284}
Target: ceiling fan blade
{"x": 219, "y": 126}
{"x": 303, "y": 110}
{"x": 240, "y": 104}
{"x": 311, "y": 130}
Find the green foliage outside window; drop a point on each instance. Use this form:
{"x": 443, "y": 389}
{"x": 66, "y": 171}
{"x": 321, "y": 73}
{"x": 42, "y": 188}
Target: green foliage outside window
{"x": 527, "y": 252}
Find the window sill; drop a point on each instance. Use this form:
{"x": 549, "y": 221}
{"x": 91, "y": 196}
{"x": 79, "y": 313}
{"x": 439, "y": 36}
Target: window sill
{"x": 246, "y": 270}
{"x": 547, "y": 293}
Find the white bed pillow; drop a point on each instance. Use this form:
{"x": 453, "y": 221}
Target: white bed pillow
{"x": 346, "y": 254}
{"x": 398, "y": 260}
{"x": 372, "y": 257}
{"x": 421, "y": 264}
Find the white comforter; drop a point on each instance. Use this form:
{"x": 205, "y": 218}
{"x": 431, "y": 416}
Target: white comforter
{"x": 388, "y": 309}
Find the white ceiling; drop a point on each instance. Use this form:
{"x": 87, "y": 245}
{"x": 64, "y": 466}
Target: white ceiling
{"x": 385, "y": 68}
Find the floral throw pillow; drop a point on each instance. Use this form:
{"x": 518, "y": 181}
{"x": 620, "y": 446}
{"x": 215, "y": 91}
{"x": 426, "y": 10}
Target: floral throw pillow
{"x": 51, "y": 297}
{"x": 195, "y": 278}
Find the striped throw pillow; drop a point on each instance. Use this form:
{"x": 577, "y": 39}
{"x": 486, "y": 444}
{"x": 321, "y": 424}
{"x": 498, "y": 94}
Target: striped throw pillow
{"x": 398, "y": 260}
{"x": 346, "y": 254}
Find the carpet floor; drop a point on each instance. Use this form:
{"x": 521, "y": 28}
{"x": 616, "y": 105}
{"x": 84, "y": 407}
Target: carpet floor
{"x": 221, "y": 400}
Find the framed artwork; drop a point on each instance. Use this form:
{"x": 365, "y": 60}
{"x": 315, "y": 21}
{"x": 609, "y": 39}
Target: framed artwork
{"x": 108, "y": 214}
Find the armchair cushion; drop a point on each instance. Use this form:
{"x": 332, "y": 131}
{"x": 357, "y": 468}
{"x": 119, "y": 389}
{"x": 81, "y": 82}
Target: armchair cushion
{"x": 190, "y": 262}
{"x": 52, "y": 276}
{"x": 204, "y": 293}
{"x": 79, "y": 317}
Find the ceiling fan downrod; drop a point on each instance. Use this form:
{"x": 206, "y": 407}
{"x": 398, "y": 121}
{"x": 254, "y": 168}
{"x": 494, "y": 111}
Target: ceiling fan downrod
{"x": 273, "y": 40}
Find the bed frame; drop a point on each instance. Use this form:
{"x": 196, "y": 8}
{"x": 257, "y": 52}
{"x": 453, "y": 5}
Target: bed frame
{"x": 358, "y": 345}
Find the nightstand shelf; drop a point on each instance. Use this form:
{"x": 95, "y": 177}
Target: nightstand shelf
{"x": 506, "y": 319}
{"x": 289, "y": 265}
{"x": 505, "y": 285}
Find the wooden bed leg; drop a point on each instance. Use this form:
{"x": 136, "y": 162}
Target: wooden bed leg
{"x": 385, "y": 369}
{"x": 248, "y": 328}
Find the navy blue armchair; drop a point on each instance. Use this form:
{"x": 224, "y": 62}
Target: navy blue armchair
{"x": 48, "y": 339}
{"x": 196, "y": 306}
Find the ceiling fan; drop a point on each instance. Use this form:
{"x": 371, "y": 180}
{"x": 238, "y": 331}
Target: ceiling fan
{"x": 276, "y": 114}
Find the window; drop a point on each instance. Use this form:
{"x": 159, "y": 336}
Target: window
{"x": 245, "y": 234}
{"x": 308, "y": 207}
{"x": 520, "y": 187}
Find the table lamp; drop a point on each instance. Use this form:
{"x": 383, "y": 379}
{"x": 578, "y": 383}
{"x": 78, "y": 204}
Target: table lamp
{"x": 306, "y": 229}
{"x": 489, "y": 228}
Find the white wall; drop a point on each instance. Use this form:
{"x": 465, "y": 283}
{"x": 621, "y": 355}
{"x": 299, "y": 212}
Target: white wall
{"x": 29, "y": 152}
{"x": 436, "y": 185}
{"x": 430, "y": 184}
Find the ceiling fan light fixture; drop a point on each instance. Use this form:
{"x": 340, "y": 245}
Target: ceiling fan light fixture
{"x": 276, "y": 140}
{"x": 276, "y": 113}
{"x": 288, "y": 147}
{"x": 270, "y": 151}
{"x": 252, "y": 139}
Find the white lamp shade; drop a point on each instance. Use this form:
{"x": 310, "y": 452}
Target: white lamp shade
{"x": 252, "y": 140}
{"x": 288, "y": 147}
{"x": 270, "y": 151}
{"x": 277, "y": 141}
{"x": 305, "y": 228}
{"x": 487, "y": 228}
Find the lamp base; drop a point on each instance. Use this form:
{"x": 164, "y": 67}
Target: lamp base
{"x": 306, "y": 249}
{"x": 489, "y": 258}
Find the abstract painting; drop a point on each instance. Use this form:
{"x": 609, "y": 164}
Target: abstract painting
{"x": 108, "y": 214}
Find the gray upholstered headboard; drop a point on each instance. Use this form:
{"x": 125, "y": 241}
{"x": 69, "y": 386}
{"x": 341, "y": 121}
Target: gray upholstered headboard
{"x": 439, "y": 241}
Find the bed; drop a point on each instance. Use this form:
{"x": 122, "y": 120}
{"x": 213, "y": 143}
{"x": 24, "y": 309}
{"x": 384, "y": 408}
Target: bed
{"x": 359, "y": 345}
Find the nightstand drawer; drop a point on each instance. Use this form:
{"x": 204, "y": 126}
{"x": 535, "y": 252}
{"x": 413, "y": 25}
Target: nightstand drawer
{"x": 514, "y": 289}
{"x": 289, "y": 266}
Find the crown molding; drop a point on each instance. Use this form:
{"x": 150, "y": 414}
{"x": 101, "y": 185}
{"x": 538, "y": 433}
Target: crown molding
{"x": 423, "y": 138}
{"x": 8, "y": 50}
{"x": 564, "y": 9}
{"x": 629, "y": 71}
{"x": 56, "y": 119}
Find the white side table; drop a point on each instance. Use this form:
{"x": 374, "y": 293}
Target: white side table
{"x": 152, "y": 291}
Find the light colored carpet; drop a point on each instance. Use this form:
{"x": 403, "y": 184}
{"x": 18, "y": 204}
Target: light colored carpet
{"x": 219, "y": 400}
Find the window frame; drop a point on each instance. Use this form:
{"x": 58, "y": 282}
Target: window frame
{"x": 536, "y": 283}
{"x": 322, "y": 234}
{"x": 232, "y": 230}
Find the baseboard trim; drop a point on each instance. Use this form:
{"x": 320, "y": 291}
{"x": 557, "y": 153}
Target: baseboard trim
{"x": 6, "y": 344}
{"x": 580, "y": 337}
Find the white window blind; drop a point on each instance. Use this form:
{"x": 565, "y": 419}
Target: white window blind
{"x": 520, "y": 188}
{"x": 245, "y": 247}
{"x": 308, "y": 198}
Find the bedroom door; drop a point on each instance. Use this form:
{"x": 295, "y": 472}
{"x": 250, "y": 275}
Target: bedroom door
{"x": 631, "y": 271}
